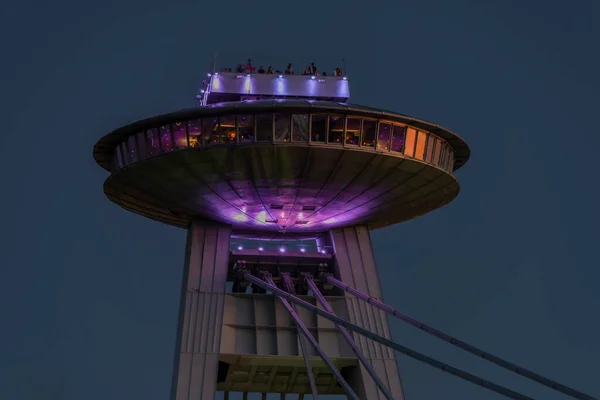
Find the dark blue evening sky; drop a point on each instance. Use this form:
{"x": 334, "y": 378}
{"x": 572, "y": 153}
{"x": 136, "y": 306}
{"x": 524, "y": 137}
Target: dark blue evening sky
{"x": 89, "y": 292}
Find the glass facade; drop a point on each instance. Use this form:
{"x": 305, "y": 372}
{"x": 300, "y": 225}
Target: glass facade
{"x": 340, "y": 130}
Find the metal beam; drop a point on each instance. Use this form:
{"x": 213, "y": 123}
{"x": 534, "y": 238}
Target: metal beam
{"x": 301, "y": 339}
{"x": 350, "y": 340}
{"x": 460, "y": 344}
{"x": 284, "y": 297}
{"x": 386, "y": 342}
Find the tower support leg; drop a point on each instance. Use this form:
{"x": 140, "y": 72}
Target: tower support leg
{"x": 355, "y": 262}
{"x": 201, "y": 312}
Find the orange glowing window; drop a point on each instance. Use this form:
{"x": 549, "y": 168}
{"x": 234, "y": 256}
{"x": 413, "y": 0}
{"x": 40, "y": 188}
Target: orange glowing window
{"x": 411, "y": 136}
{"x": 421, "y": 142}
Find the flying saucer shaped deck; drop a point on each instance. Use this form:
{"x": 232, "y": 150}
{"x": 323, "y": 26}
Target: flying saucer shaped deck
{"x": 282, "y": 166}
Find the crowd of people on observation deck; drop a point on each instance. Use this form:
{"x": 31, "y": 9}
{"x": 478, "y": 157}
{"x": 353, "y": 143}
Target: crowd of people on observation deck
{"x": 309, "y": 69}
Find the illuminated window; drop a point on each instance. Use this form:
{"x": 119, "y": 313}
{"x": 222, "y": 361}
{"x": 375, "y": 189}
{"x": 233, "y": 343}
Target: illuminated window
{"x": 245, "y": 126}
{"x": 226, "y": 129}
{"x": 210, "y": 131}
{"x": 166, "y": 142}
{"x": 369, "y": 129}
{"x": 264, "y": 127}
{"x": 398, "y": 136}
{"x": 179, "y": 136}
{"x": 142, "y": 145}
{"x": 132, "y": 149}
{"x": 430, "y": 148}
{"x": 411, "y": 139}
{"x": 336, "y": 129}
{"x": 283, "y": 127}
{"x": 353, "y": 131}
{"x": 318, "y": 128}
{"x": 383, "y": 136}
{"x": 153, "y": 142}
{"x": 300, "y": 128}
{"x": 194, "y": 132}
{"x": 420, "y": 148}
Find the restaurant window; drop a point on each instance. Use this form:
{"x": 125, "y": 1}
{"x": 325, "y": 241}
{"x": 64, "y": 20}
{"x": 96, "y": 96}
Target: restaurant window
{"x": 420, "y": 148}
{"x": 124, "y": 156}
{"x": 383, "y": 136}
{"x": 443, "y": 156}
{"x": 300, "y": 128}
{"x": 430, "y": 148}
{"x": 318, "y": 128}
{"x": 152, "y": 139}
{"x": 245, "y": 127}
{"x": 369, "y": 129}
{"x": 436, "y": 152}
{"x": 194, "y": 128}
{"x": 450, "y": 161}
{"x": 117, "y": 158}
{"x": 226, "y": 131}
{"x": 179, "y": 136}
{"x": 132, "y": 149}
{"x": 398, "y": 135}
{"x": 264, "y": 127}
{"x": 353, "y": 131}
{"x": 336, "y": 129}
{"x": 210, "y": 131}
{"x": 142, "y": 145}
{"x": 283, "y": 127}
{"x": 166, "y": 143}
{"x": 411, "y": 138}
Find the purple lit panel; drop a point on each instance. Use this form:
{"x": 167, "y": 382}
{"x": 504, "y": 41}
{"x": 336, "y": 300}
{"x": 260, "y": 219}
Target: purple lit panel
{"x": 194, "y": 132}
{"x": 383, "y": 136}
{"x": 132, "y": 149}
{"x": 153, "y": 141}
{"x": 398, "y": 135}
{"x": 166, "y": 142}
{"x": 179, "y": 136}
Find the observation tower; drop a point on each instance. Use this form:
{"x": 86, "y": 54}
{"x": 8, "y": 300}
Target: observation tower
{"x": 279, "y": 181}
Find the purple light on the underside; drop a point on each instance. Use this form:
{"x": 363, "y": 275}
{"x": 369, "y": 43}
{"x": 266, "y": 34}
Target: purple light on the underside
{"x": 300, "y": 215}
{"x": 243, "y": 209}
{"x": 330, "y": 221}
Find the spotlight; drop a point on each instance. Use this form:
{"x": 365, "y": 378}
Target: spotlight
{"x": 248, "y": 75}
{"x": 313, "y": 77}
{"x": 300, "y": 215}
{"x": 243, "y": 209}
{"x": 323, "y": 251}
{"x": 216, "y": 73}
{"x": 240, "y": 248}
{"x": 302, "y": 249}
{"x": 209, "y": 75}
{"x": 282, "y": 249}
{"x": 260, "y": 248}
{"x": 344, "y": 78}
{"x": 280, "y": 76}
{"x": 282, "y": 215}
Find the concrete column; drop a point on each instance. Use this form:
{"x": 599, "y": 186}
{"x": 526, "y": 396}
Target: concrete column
{"x": 201, "y": 312}
{"x": 355, "y": 266}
